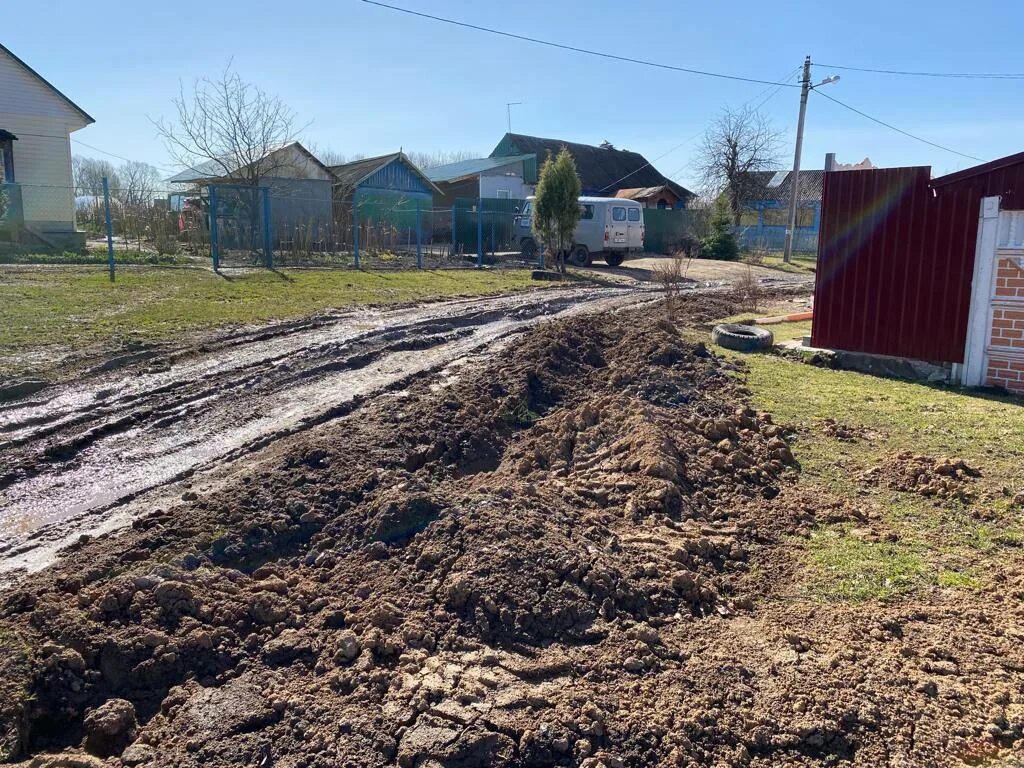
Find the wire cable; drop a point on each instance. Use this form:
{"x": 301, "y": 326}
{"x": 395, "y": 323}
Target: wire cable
{"x": 961, "y": 75}
{"x": 894, "y": 128}
{"x": 671, "y": 177}
{"x": 573, "y": 48}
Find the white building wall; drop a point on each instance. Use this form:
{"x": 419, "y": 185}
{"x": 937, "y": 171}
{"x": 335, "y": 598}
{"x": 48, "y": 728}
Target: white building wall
{"x": 43, "y": 121}
{"x": 517, "y": 189}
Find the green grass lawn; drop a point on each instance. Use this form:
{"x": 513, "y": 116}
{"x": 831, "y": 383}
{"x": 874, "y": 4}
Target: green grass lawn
{"x": 802, "y": 263}
{"x": 930, "y": 544}
{"x": 47, "y": 312}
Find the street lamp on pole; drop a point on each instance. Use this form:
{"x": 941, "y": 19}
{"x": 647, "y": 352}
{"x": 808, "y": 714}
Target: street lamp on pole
{"x": 794, "y": 197}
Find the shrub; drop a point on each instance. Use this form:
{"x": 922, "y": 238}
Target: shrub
{"x": 721, "y": 243}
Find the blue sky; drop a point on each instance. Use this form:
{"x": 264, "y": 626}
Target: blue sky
{"x": 368, "y": 80}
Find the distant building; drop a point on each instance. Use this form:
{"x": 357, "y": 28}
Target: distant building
{"x": 603, "y": 170}
{"x": 487, "y": 177}
{"x": 663, "y": 197}
{"x": 765, "y": 200}
{"x": 301, "y": 190}
{"x": 36, "y": 123}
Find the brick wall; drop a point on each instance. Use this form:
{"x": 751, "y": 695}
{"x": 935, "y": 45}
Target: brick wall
{"x": 1006, "y": 343}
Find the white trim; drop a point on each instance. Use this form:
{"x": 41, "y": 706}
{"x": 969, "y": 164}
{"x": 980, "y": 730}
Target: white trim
{"x": 979, "y": 319}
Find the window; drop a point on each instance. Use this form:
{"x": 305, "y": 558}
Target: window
{"x": 779, "y": 217}
{"x": 504, "y": 194}
{"x": 618, "y": 214}
{"x": 662, "y": 204}
{"x": 634, "y": 214}
{"x": 586, "y": 212}
{"x": 748, "y": 217}
{"x": 527, "y": 209}
{"x": 7, "y": 140}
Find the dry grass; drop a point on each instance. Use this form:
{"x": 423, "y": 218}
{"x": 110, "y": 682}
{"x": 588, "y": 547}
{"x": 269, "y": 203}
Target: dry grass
{"x": 748, "y": 290}
{"x": 670, "y": 275}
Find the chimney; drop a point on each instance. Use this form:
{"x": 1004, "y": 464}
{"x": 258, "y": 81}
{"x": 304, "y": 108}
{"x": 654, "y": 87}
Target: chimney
{"x": 830, "y": 161}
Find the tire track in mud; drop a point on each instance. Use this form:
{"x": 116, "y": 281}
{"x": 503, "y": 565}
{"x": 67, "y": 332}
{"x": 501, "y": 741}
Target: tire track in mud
{"x": 86, "y": 448}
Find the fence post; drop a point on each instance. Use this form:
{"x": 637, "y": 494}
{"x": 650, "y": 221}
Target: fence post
{"x": 110, "y": 227}
{"x": 214, "y": 236}
{"x": 268, "y": 241}
{"x": 419, "y": 238}
{"x": 479, "y": 232}
{"x": 355, "y": 232}
{"x": 453, "y": 228}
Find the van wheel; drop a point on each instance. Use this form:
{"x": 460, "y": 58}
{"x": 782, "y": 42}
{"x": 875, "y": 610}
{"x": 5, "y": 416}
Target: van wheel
{"x": 580, "y": 256}
{"x": 528, "y": 248}
{"x": 614, "y": 259}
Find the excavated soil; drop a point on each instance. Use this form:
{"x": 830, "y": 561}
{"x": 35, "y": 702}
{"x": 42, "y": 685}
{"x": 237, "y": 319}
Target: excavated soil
{"x": 945, "y": 478}
{"x": 577, "y": 554}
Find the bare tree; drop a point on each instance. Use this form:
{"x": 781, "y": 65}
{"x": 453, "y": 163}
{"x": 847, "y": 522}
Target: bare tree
{"x": 425, "y": 160}
{"x": 229, "y": 128}
{"x": 738, "y": 143}
{"x": 88, "y": 174}
{"x": 137, "y": 187}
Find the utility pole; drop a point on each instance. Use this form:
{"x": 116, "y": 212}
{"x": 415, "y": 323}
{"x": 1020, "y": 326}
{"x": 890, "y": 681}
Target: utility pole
{"x": 805, "y": 88}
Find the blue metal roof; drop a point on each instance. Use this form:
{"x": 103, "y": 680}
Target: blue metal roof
{"x": 465, "y": 168}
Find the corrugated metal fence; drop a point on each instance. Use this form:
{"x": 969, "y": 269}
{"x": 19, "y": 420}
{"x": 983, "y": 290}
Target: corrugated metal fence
{"x": 895, "y": 264}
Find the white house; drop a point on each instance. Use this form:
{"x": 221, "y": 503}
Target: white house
{"x": 36, "y": 122}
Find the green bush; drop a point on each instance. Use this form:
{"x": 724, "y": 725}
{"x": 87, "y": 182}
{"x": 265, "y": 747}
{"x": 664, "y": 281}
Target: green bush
{"x": 721, "y": 243}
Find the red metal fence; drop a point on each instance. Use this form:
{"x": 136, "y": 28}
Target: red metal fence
{"x": 895, "y": 264}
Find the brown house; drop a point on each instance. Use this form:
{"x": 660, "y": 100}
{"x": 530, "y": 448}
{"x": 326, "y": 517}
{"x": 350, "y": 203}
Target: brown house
{"x": 663, "y": 197}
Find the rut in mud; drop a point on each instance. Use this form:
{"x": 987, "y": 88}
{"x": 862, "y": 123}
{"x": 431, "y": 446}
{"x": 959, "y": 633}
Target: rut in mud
{"x": 101, "y": 441}
{"x": 575, "y": 554}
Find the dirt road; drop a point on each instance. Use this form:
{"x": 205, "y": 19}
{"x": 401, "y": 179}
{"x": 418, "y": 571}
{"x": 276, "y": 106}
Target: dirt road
{"x": 576, "y": 553}
{"x": 93, "y": 444}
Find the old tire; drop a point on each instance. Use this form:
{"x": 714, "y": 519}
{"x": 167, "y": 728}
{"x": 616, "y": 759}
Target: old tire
{"x": 580, "y": 256}
{"x": 614, "y": 259}
{"x": 528, "y": 248}
{"x": 742, "y": 338}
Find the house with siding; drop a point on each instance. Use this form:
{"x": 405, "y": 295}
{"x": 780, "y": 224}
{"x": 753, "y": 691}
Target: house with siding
{"x": 387, "y": 193}
{"x": 300, "y": 188}
{"x": 483, "y": 177}
{"x": 36, "y": 123}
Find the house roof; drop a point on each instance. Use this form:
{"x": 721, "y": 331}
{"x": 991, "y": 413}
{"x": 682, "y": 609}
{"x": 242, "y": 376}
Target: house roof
{"x": 85, "y": 115}
{"x": 643, "y": 193}
{"x": 7, "y": 135}
{"x": 776, "y": 186}
{"x": 466, "y": 168}
{"x": 605, "y": 169}
{"x": 209, "y": 170}
{"x": 352, "y": 174}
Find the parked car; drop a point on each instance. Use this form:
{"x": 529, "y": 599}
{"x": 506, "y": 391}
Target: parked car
{"x": 609, "y": 227}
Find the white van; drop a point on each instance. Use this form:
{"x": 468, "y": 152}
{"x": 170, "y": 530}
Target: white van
{"x": 609, "y": 227}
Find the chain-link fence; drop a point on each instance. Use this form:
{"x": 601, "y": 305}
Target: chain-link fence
{"x": 298, "y": 224}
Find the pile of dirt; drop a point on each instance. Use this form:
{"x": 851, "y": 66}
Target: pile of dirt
{"x": 945, "y": 478}
{"x": 578, "y": 554}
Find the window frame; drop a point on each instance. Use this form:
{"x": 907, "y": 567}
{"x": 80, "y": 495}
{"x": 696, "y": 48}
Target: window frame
{"x": 615, "y": 210}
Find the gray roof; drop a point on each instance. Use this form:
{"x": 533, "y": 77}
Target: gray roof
{"x": 210, "y": 170}
{"x": 350, "y": 175}
{"x": 465, "y": 168}
{"x": 775, "y": 186}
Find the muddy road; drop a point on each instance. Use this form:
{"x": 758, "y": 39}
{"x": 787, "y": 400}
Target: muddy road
{"x": 73, "y": 453}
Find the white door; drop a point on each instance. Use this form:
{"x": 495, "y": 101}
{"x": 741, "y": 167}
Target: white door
{"x": 618, "y": 229}
{"x": 635, "y": 226}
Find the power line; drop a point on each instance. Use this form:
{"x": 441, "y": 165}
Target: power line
{"x": 894, "y": 128}
{"x": 962, "y": 75}
{"x": 671, "y": 177}
{"x": 573, "y": 48}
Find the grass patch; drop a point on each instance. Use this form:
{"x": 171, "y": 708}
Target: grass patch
{"x": 802, "y": 263}
{"x": 96, "y": 256}
{"x": 938, "y": 543}
{"x": 50, "y": 312}
{"x": 854, "y": 569}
